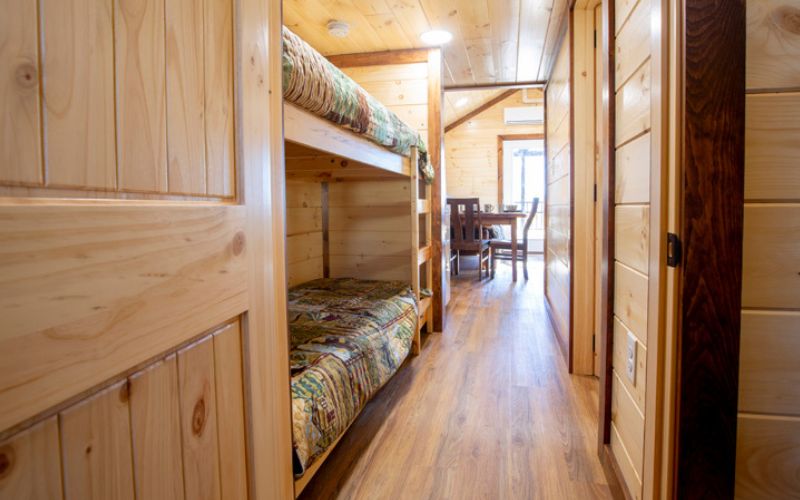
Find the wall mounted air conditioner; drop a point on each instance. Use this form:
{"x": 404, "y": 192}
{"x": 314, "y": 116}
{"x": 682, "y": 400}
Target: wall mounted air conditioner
{"x": 528, "y": 115}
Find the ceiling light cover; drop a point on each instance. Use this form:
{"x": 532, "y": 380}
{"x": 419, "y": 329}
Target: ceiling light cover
{"x": 339, "y": 29}
{"x": 436, "y": 37}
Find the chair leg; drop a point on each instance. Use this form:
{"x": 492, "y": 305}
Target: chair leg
{"x": 525, "y": 266}
{"x": 494, "y": 264}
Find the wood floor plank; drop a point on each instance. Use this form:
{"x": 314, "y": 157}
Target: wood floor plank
{"x": 487, "y": 410}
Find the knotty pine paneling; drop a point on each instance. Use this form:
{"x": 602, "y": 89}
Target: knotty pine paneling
{"x": 361, "y": 246}
{"x": 773, "y": 43}
{"x": 78, "y": 75}
{"x": 218, "y": 83}
{"x": 767, "y": 457}
{"x": 303, "y": 231}
{"x": 772, "y": 147}
{"x": 633, "y": 43}
{"x": 20, "y": 106}
{"x": 628, "y": 419}
{"x": 198, "y": 403}
{"x": 96, "y": 452}
{"x": 769, "y": 381}
{"x": 558, "y": 201}
{"x": 632, "y": 138}
{"x": 141, "y": 97}
{"x": 229, "y": 377}
{"x": 156, "y": 431}
{"x": 136, "y": 258}
{"x": 632, "y": 172}
{"x": 136, "y": 99}
{"x": 176, "y": 423}
{"x": 31, "y": 463}
{"x": 633, "y": 106}
{"x": 768, "y": 451}
{"x": 186, "y": 95}
{"x": 632, "y": 236}
{"x": 771, "y": 266}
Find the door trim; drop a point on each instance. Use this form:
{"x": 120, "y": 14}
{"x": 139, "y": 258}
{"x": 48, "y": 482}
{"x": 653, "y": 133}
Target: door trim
{"x": 711, "y": 227}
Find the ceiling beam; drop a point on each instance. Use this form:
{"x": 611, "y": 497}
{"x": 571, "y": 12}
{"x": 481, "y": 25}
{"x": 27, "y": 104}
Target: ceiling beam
{"x": 402, "y": 56}
{"x": 480, "y": 109}
{"x": 486, "y": 86}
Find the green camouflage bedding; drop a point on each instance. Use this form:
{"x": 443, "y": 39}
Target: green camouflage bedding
{"x": 313, "y": 83}
{"x": 348, "y": 337}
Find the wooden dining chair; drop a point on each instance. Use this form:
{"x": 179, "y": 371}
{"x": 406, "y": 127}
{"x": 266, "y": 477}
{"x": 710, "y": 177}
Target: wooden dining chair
{"x": 467, "y": 232}
{"x": 501, "y": 249}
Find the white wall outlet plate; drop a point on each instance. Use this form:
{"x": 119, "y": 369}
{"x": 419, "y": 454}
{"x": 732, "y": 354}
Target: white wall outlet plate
{"x": 630, "y": 359}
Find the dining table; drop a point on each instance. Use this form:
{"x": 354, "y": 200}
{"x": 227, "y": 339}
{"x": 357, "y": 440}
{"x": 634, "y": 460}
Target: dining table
{"x": 489, "y": 219}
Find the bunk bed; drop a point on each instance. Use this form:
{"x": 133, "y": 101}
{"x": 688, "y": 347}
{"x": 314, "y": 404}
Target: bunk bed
{"x": 354, "y": 323}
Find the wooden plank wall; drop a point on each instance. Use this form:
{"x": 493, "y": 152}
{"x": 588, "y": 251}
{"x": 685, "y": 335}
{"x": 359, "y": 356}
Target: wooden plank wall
{"x": 369, "y": 229}
{"x": 173, "y": 429}
{"x": 558, "y": 253}
{"x": 768, "y": 454}
{"x": 138, "y": 100}
{"x": 368, "y": 218}
{"x": 631, "y": 235}
{"x": 471, "y": 151}
{"x": 403, "y": 88}
{"x": 303, "y": 231}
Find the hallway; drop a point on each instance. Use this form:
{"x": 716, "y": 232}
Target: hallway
{"x": 486, "y": 411}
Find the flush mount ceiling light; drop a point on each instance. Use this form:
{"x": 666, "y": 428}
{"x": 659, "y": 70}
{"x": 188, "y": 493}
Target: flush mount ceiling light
{"x": 461, "y": 102}
{"x": 436, "y": 37}
{"x": 339, "y": 29}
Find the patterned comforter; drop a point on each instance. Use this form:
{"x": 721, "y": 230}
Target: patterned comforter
{"x": 348, "y": 337}
{"x": 313, "y": 83}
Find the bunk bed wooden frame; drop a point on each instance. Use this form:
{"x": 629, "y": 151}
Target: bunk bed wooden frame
{"x": 373, "y": 162}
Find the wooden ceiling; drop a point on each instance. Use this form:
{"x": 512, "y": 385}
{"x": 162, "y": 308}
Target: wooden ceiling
{"x": 494, "y": 41}
{"x": 458, "y": 104}
{"x": 461, "y": 103}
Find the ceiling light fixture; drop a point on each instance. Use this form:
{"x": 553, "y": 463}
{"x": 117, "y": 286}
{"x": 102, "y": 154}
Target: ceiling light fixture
{"x": 436, "y": 37}
{"x": 461, "y": 102}
{"x": 339, "y": 29}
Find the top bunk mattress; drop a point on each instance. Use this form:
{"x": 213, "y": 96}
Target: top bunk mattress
{"x": 348, "y": 337}
{"x": 313, "y": 83}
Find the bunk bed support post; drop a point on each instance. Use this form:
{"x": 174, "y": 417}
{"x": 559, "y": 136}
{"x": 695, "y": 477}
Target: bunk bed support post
{"x": 414, "y": 198}
{"x": 432, "y": 258}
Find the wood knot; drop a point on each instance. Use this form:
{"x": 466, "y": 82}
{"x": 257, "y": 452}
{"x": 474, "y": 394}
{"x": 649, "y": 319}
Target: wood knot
{"x": 787, "y": 18}
{"x": 199, "y": 417}
{"x": 238, "y": 243}
{"x": 344, "y": 163}
{"x": 88, "y": 449}
{"x": 26, "y": 75}
{"x": 6, "y": 461}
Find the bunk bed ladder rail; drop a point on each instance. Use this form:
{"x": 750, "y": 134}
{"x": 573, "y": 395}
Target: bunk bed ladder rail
{"x": 420, "y": 255}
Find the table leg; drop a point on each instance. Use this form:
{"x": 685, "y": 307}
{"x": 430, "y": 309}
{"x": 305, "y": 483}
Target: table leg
{"x": 514, "y": 249}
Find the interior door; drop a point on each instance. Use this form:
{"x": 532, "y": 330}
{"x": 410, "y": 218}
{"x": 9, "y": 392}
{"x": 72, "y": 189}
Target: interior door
{"x": 142, "y": 288}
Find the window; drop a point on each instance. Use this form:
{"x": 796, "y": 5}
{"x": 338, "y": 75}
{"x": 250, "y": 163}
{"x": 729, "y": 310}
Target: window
{"x": 524, "y": 179}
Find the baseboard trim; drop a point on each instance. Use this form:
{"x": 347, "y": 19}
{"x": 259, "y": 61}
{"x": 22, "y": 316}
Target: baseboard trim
{"x": 560, "y": 339}
{"x": 613, "y": 473}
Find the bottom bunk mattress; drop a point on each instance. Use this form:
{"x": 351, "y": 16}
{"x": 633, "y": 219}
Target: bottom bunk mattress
{"x": 348, "y": 337}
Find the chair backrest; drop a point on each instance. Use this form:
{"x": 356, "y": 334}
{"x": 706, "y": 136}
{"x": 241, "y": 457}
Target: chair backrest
{"x": 465, "y": 216}
{"x": 529, "y": 220}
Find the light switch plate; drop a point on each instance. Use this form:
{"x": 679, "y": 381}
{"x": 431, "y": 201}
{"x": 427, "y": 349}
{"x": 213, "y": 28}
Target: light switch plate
{"x": 630, "y": 359}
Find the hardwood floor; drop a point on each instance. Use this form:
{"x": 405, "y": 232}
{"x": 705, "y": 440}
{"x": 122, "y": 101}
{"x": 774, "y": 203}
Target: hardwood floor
{"x": 487, "y": 410}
